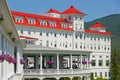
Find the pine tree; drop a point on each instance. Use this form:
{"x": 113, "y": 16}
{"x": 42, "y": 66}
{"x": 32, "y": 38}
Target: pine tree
{"x": 115, "y": 65}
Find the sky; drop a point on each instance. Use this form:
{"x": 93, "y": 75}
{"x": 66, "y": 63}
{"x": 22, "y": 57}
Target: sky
{"x": 93, "y": 8}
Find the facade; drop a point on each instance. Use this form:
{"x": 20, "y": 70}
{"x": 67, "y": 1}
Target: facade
{"x": 59, "y": 46}
{"x": 10, "y": 46}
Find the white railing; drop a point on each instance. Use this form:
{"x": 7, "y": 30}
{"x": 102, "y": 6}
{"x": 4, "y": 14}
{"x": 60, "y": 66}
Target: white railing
{"x": 54, "y": 71}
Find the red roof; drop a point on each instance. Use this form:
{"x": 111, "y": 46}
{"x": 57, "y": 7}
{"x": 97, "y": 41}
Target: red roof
{"x": 72, "y": 10}
{"x": 40, "y": 17}
{"x": 98, "y": 32}
{"x": 97, "y": 25}
{"x": 30, "y": 38}
{"x": 53, "y": 11}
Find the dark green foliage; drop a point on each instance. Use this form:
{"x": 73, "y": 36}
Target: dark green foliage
{"x": 99, "y": 78}
{"x": 83, "y": 78}
{"x": 115, "y": 65}
{"x": 91, "y": 76}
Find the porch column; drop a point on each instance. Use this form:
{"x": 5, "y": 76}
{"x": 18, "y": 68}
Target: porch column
{"x": 36, "y": 61}
{"x": 81, "y": 61}
{"x": 87, "y": 59}
{"x": 57, "y": 61}
{"x": 71, "y": 61}
{"x": 40, "y": 61}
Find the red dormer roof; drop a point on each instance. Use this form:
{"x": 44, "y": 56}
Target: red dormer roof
{"x": 40, "y": 17}
{"x": 30, "y": 38}
{"x": 97, "y": 25}
{"x": 53, "y": 11}
{"x": 72, "y": 10}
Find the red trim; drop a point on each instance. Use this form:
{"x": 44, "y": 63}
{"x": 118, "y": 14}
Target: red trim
{"x": 72, "y": 10}
{"x": 53, "y": 11}
{"x": 37, "y": 23}
{"x": 97, "y": 32}
{"x": 26, "y": 37}
{"x": 97, "y": 25}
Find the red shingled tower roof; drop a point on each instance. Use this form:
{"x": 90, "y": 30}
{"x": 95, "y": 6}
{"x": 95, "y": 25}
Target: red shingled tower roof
{"x": 72, "y": 10}
{"x": 53, "y": 11}
{"x": 97, "y": 25}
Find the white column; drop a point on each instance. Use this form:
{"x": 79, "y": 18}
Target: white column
{"x": 57, "y": 61}
{"x": 87, "y": 61}
{"x": 71, "y": 61}
{"x": 40, "y": 61}
{"x": 81, "y": 65}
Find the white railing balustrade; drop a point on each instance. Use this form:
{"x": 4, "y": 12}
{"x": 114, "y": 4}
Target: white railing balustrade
{"x": 55, "y": 71}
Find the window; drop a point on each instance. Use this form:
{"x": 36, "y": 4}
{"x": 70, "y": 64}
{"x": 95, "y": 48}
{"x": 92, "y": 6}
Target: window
{"x": 76, "y": 45}
{"x": 93, "y": 56}
{"x": 47, "y": 43}
{"x": 47, "y": 34}
{"x": 91, "y": 46}
{"x": 55, "y": 34}
{"x": 100, "y": 62}
{"x": 31, "y": 21}
{"x": 76, "y": 36}
{"x": 80, "y": 36}
{"x": 43, "y": 22}
{"x": 29, "y": 32}
{"x": 98, "y": 46}
{"x": 105, "y": 74}
{"x": 40, "y": 33}
{"x": 40, "y": 42}
{"x": 66, "y": 35}
{"x": 95, "y": 46}
{"x": 19, "y": 19}
{"x": 93, "y": 63}
{"x": 100, "y": 74}
{"x": 69, "y": 17}
{"x": 55, "y": 44}
{"x": 52, "y": 23}
{"x": 81, "y": 18}
{"x": 107, "y": 62}
{"x": 95, "y": 74}
{"x": 66, "y": 44}
{"x": 21, "y": 31}
{"x": 81, "y": 45}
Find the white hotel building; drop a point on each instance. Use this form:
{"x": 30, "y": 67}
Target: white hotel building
{"x": 57, "y": 45}
{"x": 10, "y": 46}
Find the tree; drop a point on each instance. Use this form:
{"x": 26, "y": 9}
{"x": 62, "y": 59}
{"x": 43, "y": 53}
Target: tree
{"x": 115, "y": 65}
{"x": 91, "y": 76}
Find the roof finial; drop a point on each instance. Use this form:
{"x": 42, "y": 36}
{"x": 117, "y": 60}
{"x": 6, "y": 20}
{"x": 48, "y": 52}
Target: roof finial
{"x": 72, "y": 6}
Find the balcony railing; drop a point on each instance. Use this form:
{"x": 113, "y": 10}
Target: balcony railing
{"x": 54, "y": 71}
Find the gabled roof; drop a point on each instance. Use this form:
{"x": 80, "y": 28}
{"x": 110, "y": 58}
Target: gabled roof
{"x": 98, "y": 32}
{"x": 30, "y": 38}
{"x": 72, "y": 10}
{"x": 53, "y": 11}
{"x": 97, "y": 25}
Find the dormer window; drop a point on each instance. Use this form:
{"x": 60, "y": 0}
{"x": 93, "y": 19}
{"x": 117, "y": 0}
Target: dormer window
{"x": 18, "y": 19}
{"x": 31, "y": 21}
{"x": 43, "y": 22}
{"x": 52, "y": 24}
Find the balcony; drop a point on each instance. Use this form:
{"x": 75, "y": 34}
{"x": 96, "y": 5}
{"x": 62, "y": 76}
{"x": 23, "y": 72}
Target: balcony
{"x": 55, "y": 71}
